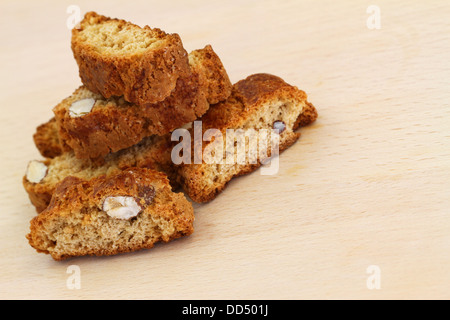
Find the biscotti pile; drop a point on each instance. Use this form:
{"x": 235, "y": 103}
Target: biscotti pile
{"x": 109, "y": 182}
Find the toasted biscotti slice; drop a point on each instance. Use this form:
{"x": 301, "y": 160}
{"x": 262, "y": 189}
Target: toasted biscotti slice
{"x": 109, "y": 125}
{"x": 42, "y": 177}
{"x": 107, "y": 215}
{"x": 308, "y": 116}
{"x": 118, "y": 58}
{"x": 261, "y": 101}
{"x": 46, "y": 139}
{"x": 152, "y": 152}
{"x": 214, "y": 79}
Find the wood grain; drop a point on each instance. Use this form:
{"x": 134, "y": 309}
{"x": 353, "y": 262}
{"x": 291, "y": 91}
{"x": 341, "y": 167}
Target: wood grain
{"x": 368, "y": 184}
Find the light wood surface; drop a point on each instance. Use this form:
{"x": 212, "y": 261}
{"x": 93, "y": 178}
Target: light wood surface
{"x": 368, "y": 184}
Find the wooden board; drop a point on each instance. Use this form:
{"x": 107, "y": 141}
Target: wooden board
{"x": 367, "y": 185}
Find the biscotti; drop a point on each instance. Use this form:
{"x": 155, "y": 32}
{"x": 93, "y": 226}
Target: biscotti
{"x": 124, "y": 212}
{"x": 214, "y": 79}
{"x": 46, "y": 139}
{"x": 153, "y": 152}
{"x": 121, "y": 145}
{"x": 261, "y": 101}
{"x": 118, "y": 58}
{"x": 93, "y": 126}
{"x": 308, "y": 116}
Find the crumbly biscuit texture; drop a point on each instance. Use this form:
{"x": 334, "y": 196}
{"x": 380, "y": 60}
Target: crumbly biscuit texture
{"x": 201, "y": 181}
{"x": 153, "y": 152}
{"x": 106, "y": 185}
{"x": 114, "y": 124}
{"x": 213, "y": 76}
{"x": 258, "y": 102}
{"x": 46, "y": 139}
{"x": 77, "y": 221}
{"x": 118, "y": 58}
{"x": 308, "y": 116}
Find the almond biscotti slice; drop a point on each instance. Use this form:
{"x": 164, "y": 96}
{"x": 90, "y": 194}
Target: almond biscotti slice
{"x": 107, "y": 215}
{"x": 118, "y": 58}
{"x": 94, "y": 126}
{"x": 42, "y": 177}
{"x": 153, "y": 152}
{"x": 47, "y": 140}
{"x": 261, "y": 101}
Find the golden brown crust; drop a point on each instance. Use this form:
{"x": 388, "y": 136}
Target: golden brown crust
{"x": 152, "y": 152}
{"x": 308, "y": 116}
{"x": 155, "y": 152}
{"x": 141, "y": 76}
{"x": 206, "y": 63}
{"x": 246, "y": 97}
{"x": 255, "y": 103}
{"x": 192, "y": 176}
{"x": 119, "y": 124}
{"x": 46, "y": 139}
{"x": 74, "y": 222}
